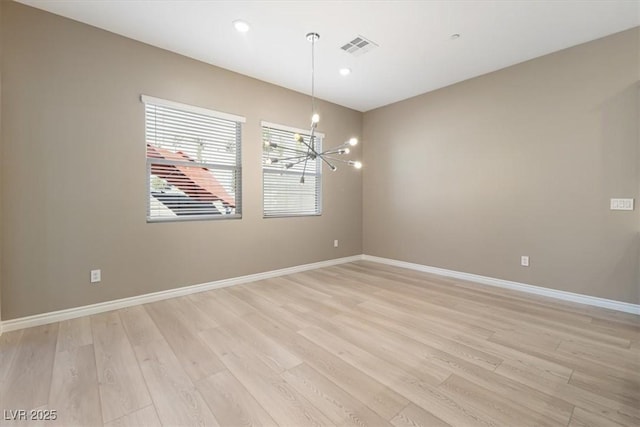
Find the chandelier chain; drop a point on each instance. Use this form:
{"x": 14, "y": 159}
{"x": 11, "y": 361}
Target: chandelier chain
{"x": 313, "y": 76}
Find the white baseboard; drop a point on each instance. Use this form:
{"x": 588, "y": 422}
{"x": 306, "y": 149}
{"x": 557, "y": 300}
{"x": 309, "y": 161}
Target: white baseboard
{"x": 72, "y": 313}
{"x": 507, "y": 284}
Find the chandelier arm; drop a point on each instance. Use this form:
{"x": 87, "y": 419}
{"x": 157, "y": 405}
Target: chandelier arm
{"x": 292, "y": 149}
{"x": 327, "y": 162}
{"x": 310, "y": 148}
{"x": 302, "y": 159}
{"x": 306, "y": 159}
{"x": 345, "y": 144}
{"x": 336, "y": 159}
{"x": 291, "y": 158}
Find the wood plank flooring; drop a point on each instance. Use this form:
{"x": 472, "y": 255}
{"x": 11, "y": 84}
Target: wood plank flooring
{"x": 359, "y": 344}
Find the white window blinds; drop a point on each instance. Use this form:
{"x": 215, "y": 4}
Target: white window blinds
{"x": 283, "y": 193}
{"x": 193, "y": 162}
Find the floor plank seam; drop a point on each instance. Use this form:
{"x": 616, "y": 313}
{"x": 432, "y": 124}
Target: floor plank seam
{"x": 126, "y": 333}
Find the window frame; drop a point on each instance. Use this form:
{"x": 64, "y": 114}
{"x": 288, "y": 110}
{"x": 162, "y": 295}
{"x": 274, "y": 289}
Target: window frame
{"x": 237, "y": 169}
{"x": 317, "y": 173}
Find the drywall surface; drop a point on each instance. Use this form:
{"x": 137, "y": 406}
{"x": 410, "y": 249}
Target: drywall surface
{"x": 522, "y": 161}
{"x": 1, "y": 6}
{"x": 74, "y": 187}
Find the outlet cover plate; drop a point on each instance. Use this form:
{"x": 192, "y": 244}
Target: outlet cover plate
{"x": 96, "y": 276}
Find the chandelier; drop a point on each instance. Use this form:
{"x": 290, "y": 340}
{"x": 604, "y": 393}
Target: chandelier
{"x": 307, "y": 148}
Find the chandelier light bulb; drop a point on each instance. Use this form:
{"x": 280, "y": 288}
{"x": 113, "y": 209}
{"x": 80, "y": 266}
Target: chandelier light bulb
{"x": 347, "y": 151}
{"x": 356, "y": 164}
{"x": 353, "y": 141}
{"x": 241, "y": 26}
{"x": 315, "y": 118}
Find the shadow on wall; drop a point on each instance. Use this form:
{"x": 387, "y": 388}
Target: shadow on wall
{"x": 620, "y": 132}
{"x": 636, "y": 89}
{"x": 620, "y": 115}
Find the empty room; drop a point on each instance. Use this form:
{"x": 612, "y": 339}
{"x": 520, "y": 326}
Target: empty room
{"x": 319, "y": 213}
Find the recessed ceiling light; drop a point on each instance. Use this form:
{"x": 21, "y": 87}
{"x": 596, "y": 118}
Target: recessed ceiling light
{"x": 241, "y": 26}
{"x": 454, "y": 36}
{"x": 345, "y": 71}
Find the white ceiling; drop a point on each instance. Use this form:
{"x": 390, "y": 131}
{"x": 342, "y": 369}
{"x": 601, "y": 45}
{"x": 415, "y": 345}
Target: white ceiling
{"x": 415, "y": 53}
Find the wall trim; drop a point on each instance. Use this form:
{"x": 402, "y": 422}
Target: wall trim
{"x": 72, "y": 313}
{"x": 507, "y": 284}
{"x": 101, "y": 307}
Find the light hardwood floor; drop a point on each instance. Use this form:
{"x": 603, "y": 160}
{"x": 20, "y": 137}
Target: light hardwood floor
{"x": 356, "y": 344}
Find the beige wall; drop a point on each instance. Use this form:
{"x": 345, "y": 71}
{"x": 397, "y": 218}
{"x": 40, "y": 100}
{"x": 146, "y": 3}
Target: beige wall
{"x": 1, "y": 6}
{"x": 521, "y": 161}
{"x": 73, "y": 171}
{"x": 638, "y": 150}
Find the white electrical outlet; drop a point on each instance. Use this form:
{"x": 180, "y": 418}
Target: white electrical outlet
{"x": 524, "y": 260}
{"x": 96, "y": 276}
{"x": 335, "y": 243}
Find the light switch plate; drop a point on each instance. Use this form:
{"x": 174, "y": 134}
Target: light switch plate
{"x": 621, "y": 204}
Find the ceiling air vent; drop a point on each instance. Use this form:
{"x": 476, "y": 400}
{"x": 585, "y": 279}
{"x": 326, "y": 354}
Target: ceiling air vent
{"x": 358, "y": 46}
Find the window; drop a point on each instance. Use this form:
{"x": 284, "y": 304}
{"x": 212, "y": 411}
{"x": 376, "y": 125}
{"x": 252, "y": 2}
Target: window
{"x": 283, "y": 193}
{"x": 193, "y": 162}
